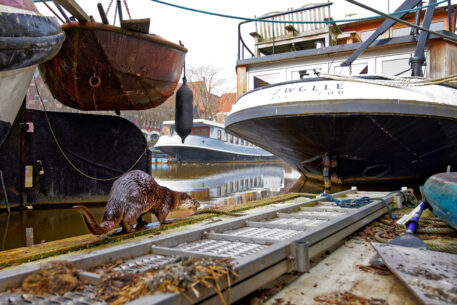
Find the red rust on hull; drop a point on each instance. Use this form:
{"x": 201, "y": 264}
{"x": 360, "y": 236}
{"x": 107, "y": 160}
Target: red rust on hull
{"x": 103, "y": 67}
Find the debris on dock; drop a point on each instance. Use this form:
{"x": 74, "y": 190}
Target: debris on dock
{"x": 57, "y": 277}
{"x": 117, "y": 287}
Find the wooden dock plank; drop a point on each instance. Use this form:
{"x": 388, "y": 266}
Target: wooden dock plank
{"x": 430, "y": 275}
{"x": 339, "y": 273}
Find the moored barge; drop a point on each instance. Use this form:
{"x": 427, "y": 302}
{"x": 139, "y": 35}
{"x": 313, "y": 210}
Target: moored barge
{"x": 351, "y": 119}
{"x": 208, "y": 142}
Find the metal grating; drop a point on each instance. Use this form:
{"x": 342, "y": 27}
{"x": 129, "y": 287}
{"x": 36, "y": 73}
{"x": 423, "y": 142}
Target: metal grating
{"x": 297, "y": 221}
{"x": 144, "y": 263}
{"x": 222, "y": 247}
{"x": 318, "y": 215}
{"x": 270, "y": 241}
{"x": 70, "y": 298}
{"x": 267, "y": 233}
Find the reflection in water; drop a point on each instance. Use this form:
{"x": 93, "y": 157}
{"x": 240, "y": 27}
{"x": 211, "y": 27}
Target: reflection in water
{"x": 211, "y": 184}
{"x": 227, "y": 184}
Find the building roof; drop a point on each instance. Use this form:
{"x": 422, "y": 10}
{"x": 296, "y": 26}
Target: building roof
{"x": 226, "y": 102}
{"x": 197, "y": 122}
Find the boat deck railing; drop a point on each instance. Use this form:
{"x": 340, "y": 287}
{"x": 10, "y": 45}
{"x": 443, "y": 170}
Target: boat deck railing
{"x": 271, "y": 37}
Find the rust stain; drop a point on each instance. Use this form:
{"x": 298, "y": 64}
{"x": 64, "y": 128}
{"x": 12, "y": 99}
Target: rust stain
{"x": 117, "y": 57}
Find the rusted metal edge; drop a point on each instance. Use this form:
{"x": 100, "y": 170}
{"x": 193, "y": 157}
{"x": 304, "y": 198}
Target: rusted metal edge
{"x": 106, "y": 27}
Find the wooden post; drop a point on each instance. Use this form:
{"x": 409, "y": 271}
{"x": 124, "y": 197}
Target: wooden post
{"x": 241, "y": 80}
{"x": 29, "y": 237}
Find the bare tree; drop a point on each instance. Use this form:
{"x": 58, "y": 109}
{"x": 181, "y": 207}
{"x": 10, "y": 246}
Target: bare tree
{"x": 206, "y": 81}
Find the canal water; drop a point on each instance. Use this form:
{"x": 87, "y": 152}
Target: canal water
{"x": 214, "y": 185}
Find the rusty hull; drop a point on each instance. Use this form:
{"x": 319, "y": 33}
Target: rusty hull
{"x": 103, "y": 67}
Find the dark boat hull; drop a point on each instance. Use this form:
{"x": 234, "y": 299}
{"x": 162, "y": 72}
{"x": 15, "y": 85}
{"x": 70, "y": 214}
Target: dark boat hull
{"x": 26, "y": 39}
{"x": 102, "y": 67}
{"x": 203, "y": 155}
{"x": 368, "y": 148}
{"x": 371, "y": 133}
{"x": 100, "y": 146}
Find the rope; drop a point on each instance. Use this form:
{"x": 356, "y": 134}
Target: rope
{"x": 282, "y": 21}
{"x": 434, "y": 245}
{"x": 65, "y": 155}
{"x": 356, "y": 203}
{"x": 219, "y": 212}
{"x": 292, "y": 21}
{"x": 393, "y": 81}
{"x": 127, "y": 9}
{"x": 109, "y": 6}
{"x": 49, "y": 8}
{"x": 442, "y": 247}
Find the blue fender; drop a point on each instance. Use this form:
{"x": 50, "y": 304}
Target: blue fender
{"x": 440, "y": 191}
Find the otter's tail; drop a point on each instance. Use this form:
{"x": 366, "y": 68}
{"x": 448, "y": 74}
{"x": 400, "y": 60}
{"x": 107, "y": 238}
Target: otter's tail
{"x": 92, "y": 224}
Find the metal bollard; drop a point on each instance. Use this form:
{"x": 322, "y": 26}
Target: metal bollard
{"x": 302, "y": 256}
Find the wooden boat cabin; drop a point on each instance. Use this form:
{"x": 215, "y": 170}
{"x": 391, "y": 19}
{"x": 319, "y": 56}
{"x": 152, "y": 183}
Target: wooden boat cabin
{"x": 285, "y": 52}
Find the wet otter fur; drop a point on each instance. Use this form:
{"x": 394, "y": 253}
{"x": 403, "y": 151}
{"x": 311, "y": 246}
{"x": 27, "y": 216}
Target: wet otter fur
{"x": 132, "y": 195}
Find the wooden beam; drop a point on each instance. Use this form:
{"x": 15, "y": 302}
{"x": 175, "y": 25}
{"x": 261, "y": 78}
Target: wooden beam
{"x": 73, "y": 8}
{"x": 241, "y": 80}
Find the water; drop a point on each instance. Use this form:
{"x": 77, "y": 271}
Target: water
{"x": 214, "y": 185}
{"x": 220, "y": 185}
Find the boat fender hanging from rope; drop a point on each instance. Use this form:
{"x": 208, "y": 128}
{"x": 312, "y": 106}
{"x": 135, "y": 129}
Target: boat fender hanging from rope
{"x": 184, "y": 109}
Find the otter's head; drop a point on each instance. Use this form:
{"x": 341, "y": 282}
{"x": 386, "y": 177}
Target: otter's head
{"x": 187, "y": 203}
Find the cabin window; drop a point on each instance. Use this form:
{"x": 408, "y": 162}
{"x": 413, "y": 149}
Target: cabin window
{"x": 236, "y": 140}
{"x": 401, "y": 32}
{"x": 200, "y": 131}
{"x": 365, "y": 34}
{"x": 242, "y": 142}
{"x": 398, "y": 66}
{"x": 219, "y": 134}
{"x": 226, "y": 137}
{"x": 267, "y": 79}
{"x": 437, "y": 26}
{"x": 231, "y": 139}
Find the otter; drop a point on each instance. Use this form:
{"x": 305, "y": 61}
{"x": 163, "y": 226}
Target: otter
{"x": 133, "y": 195}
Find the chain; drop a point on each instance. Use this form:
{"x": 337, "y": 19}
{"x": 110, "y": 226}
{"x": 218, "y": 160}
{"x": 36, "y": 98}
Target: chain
{"x": 127, "y": 9}
{"x": 109, "y": 6}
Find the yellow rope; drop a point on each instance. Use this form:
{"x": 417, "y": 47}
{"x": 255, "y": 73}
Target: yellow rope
{"x": 65, "y": 155}
{"x": 397, "y": 82}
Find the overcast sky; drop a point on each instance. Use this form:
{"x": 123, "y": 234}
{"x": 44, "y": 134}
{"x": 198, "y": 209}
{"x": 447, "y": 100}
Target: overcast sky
{"x": 213, "y": 40}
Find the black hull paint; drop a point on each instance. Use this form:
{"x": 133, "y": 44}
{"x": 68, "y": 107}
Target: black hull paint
{"x": 368, "y": 147}
{"x": 101, "y": 146}
{"x": 196, "y": 154}
{"x": 4, "y": 130}
{"x": 26, "y": 40}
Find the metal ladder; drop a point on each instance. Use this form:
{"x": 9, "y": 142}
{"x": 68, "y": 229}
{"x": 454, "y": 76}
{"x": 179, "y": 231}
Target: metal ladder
{"x": 262, "y": 246}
